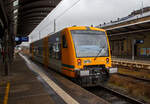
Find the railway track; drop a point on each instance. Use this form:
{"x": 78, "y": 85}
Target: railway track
{"x": 112, "y": 96}
{"x": 137, "y": 78}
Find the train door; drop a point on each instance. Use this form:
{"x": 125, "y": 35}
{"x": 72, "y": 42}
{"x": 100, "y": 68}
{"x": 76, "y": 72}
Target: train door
{"x": 67, "y": 59}
{"x": 65, "y": 54}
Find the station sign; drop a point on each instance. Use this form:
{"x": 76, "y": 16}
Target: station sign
{"x": 140, "y": 41}
{"x": 21, "y": 39}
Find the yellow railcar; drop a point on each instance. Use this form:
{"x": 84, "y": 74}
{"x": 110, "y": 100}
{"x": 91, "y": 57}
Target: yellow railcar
{"x": 82, "y": 53}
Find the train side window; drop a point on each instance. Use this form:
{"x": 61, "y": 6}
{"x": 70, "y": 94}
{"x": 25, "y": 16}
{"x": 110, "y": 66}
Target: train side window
{"x": 64, "y": 42}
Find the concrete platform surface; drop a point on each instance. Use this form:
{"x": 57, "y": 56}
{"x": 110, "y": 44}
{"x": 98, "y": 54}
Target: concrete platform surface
{"x": 25, "y": 88}
{"x": 29, "y": 83}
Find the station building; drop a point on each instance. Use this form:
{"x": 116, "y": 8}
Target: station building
{"x": 130, "y": 36}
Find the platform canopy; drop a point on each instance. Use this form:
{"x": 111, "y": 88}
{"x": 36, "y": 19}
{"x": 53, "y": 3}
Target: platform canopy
{"x": 27, "y": 14}
{"x": 139, "y": 27}
{"x": 31, "y": 13}
{"x": 20, "y": 17}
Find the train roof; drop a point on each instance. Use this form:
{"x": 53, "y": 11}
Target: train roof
{"x": 84, "y": 28}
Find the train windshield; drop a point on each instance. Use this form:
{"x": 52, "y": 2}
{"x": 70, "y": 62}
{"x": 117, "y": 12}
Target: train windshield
{"x": 90, "y": 43}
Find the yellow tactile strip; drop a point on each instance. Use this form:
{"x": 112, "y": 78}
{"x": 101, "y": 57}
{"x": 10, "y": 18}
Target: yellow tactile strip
{"x": 6, "y": 93}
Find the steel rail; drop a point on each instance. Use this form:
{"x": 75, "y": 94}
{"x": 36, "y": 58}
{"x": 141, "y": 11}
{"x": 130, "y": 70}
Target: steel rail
{"x": 123, "y": 96}
{"x": 137, "y": 78}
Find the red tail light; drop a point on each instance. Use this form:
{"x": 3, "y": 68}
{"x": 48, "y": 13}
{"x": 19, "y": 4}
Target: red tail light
{"x": 79, "y": 61}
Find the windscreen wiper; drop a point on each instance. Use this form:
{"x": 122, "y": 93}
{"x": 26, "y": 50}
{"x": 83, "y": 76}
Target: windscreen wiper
{"x": 99, "y": 53}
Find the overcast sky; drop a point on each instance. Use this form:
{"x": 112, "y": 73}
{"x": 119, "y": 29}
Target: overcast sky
{"x": 88, "y": 12}
{"x": 85, "y": 13}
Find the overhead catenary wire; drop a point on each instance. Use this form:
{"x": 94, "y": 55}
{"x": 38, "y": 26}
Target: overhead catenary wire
{"x": 67, "y": 9}
{"x": 64, "y": 13}
{"x": 61, "y": 14}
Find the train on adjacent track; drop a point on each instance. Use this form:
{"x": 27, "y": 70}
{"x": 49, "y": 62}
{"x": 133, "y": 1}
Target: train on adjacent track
{"x": 81, "y": 53}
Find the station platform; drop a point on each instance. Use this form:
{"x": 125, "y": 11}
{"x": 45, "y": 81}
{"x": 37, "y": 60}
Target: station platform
{"x": 29, "y": 83}
{"x": 137, "y": 63}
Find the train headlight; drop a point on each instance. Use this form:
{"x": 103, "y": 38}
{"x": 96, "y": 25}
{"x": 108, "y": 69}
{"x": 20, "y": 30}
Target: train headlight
{"x": 107, "y": 60}
{"x": 79, "y": 61}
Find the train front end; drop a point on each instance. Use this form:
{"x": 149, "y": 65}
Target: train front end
{"x": 93, "y": 58}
